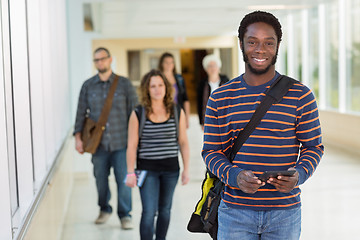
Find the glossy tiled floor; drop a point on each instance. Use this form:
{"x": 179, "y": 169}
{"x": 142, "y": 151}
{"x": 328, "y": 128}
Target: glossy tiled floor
{"x": 330, "y": 201}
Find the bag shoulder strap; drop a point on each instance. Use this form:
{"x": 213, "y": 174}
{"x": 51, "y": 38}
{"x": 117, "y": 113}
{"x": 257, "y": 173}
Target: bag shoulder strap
{"x": 273, "y": 95}
{"x": 141, "y": 115}
{"x": 107, "y": 105}
{"x": 177, "y": 112}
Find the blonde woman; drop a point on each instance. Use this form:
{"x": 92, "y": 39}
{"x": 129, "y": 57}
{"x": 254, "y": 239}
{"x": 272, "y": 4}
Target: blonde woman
{"x": 155, "y": 149}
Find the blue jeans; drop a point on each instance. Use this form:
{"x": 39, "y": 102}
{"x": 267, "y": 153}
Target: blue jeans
{"x": 156, "y": 197}
{"x": 103, "y": 161}
{"x": 244, "y": 224}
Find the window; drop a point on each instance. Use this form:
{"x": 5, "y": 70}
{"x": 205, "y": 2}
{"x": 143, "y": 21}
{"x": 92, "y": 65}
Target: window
{"x": 332, "y": 50}
{"x": 353, "y": 89}
{"x": 134, "y": 65}
{"x": 314, "y": 51}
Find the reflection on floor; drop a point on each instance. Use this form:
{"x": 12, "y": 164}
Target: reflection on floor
{"x": 330, "y": 201}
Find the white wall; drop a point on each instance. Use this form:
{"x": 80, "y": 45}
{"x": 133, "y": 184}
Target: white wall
{"x": 341, "y": 130}
{"x": 80, "y": 51}
{"x": 34, "y": 104}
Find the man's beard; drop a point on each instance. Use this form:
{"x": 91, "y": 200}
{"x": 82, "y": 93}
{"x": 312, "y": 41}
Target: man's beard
{"x": 258, "y": 71}
{"x": 103, "y": 70}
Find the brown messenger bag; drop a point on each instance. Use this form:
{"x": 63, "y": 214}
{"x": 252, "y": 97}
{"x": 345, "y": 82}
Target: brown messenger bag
{"x": 92, "y": 131}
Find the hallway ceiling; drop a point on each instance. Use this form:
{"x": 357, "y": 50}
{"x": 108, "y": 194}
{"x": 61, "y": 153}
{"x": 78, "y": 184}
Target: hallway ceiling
{"x": 180, "y": 18}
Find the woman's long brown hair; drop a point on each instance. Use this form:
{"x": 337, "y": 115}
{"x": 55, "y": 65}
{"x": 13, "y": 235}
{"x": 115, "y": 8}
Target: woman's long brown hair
{"x": 162, "y": 59}
{"x": 145, "y": 95}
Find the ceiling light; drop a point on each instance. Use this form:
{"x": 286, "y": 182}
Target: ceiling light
{"x": 276, "y": 7}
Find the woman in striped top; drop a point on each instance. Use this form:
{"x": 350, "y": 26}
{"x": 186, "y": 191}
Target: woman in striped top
{"x": 157, "y": 152}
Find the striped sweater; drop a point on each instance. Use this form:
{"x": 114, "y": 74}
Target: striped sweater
{"x": 289, "y": 135}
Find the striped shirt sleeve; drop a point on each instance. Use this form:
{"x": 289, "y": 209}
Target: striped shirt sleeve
{"x": 308, "y": 133}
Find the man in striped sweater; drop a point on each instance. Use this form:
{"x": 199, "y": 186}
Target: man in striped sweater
{"x": 288, "y": 137}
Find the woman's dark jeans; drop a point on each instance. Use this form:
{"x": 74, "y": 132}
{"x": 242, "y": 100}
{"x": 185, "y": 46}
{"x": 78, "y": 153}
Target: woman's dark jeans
{"x": 156, "y": 197}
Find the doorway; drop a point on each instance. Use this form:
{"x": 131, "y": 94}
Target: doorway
{"x": 193, "y": 71}
{"x": 188, "y": 62}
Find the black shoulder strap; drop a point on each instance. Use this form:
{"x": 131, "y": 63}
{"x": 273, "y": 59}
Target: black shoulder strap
{"x": 273, "y": 95}
{"x": 141, "y": 115}
{"x": 177, "y": 112}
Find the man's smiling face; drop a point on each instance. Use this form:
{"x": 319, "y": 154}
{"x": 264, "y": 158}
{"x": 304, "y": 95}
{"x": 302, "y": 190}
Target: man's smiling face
{"x": 260, "y": 47}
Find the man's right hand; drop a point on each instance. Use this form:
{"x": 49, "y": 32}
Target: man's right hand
{"x": 79, "y": 144}
{"x": 248, "y": 182}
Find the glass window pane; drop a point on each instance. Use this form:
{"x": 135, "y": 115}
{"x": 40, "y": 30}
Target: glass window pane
{"x": 134, "y": 65}
{"x": 299, "y": 45}
{"x": 332, "y": 85}
{"x": 9, "y": 114}
{"x": 354, "y": 88}
{"x": 314, "y": 51}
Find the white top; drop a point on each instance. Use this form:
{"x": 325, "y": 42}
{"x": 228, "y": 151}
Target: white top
{"x": 214, "y": 85}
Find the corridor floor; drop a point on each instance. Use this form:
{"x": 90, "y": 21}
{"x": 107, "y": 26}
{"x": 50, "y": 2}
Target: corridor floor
{"x": 330, "y": 201}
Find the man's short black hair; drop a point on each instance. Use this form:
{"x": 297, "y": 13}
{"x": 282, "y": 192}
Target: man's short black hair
{"x": 259, "y": 16}
{"x": 102, "y": 49}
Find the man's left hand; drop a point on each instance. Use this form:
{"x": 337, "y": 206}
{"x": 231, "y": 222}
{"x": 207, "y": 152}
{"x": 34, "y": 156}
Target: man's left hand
{"x": 285, "y": 183}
